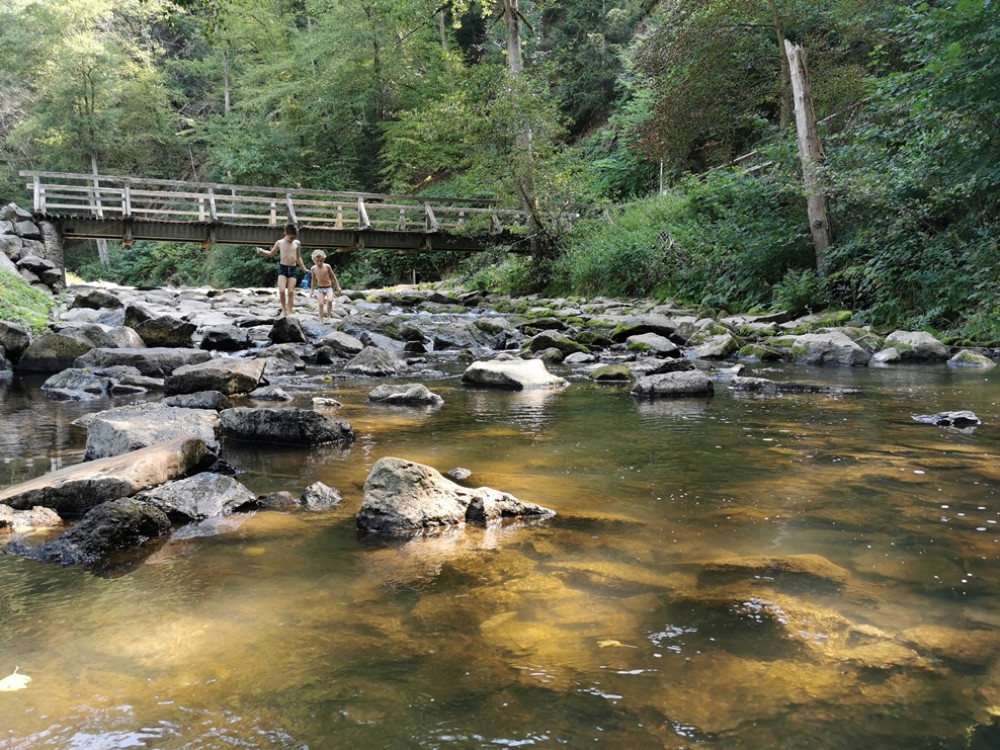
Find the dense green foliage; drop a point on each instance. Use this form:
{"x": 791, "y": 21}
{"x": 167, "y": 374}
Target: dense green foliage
{"x": 629, "y": 112}
{"x": 21, "y": 303}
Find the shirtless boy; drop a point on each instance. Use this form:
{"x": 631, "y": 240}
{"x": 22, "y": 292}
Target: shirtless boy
{"x": 290, "y": 250}
{"x": 324, "y": 279}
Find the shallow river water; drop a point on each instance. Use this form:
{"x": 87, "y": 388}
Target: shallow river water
{"x": 610, "y": 625}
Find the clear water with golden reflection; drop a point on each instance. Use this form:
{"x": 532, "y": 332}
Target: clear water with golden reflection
{"x": 607, "y": 625}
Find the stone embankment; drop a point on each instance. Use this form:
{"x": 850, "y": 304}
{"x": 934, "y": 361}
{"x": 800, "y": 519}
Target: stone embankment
{"x": 30, "y": 250}
{"x": 196, "y": 349}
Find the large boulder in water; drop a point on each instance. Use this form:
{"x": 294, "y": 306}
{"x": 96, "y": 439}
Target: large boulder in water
{"x": 917, "y": 346}
{"x": 285, "y": 425}
{"x": 166, "y": 330}
{"x": 375, "y": 362}
{"x": 341, "y": 344}
{"x": 403, "y": 497}
{"x": 831, "y": 348}
{"x": 674, "y": 385}
{"x": 54, "y": 352}
{"x": 512, "y": 374}
{"x": 225, "y": 338}
{"x": 226, "y": 375}
{"x": 76, "y": 489}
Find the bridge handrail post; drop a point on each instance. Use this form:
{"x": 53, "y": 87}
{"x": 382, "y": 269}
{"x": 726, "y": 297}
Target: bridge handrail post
{"x": 213, "y": 212}
{"x": 291, "y": 209}
{"x": 39, "y": 194}
{"x": 127, "y": 199}
{"x": 95, "y": 201}
{"x": 363, "y": 221}
{"x": 431, "y": 222}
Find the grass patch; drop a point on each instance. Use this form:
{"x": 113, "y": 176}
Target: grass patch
{"x": 23, "y": 304}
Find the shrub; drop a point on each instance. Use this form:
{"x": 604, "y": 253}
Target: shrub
{"x": 800, "y": 292}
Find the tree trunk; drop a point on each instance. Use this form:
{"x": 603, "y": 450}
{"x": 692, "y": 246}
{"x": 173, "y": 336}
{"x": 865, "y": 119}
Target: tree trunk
{"x": 526, "y": 178}
{"x": 443, "y": 31}
{"x": 810, "y": 153}
{"x": 783, "y": 92}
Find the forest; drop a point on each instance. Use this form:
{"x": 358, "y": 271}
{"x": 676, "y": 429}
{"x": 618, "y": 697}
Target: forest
{"x": 666, "y": 127}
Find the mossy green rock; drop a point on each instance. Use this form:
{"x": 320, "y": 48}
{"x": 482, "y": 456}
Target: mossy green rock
{"x": 616, "y": 373}
{"x": 549, "y": 340}
{"x": 760, "y": 353}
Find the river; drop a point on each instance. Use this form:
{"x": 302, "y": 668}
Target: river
{"x": 598, "y": 627}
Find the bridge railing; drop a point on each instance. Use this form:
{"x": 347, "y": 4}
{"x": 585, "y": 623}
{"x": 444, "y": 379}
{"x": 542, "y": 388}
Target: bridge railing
{"x": 109, "y": 197}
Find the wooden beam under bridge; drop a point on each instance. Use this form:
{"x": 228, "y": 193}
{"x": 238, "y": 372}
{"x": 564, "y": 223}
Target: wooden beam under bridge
{"x": 132, "y": 209}
{"x": 336, "y": 240}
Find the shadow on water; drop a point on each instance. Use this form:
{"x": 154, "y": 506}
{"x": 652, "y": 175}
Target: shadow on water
{"x": 801, "y": 570}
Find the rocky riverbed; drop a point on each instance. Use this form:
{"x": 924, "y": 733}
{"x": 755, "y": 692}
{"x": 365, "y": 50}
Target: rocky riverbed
{"x": 203, "y": 348}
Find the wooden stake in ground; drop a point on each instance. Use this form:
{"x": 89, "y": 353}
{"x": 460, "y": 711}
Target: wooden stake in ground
{"x": 810, "y": 152}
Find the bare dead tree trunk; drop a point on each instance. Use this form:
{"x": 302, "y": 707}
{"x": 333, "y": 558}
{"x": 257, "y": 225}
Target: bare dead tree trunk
{"x": 102, "y": 245}
{"x": 810, "y": 153}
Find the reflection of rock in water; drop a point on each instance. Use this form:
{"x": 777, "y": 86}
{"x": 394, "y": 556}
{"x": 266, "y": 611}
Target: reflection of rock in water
{"x": 420, "y": 560}
{"x": 681, "y": 408}
{"x": 529, "y": 409}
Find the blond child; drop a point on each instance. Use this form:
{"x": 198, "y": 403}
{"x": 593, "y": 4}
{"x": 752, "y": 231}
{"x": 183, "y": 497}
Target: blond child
{"x": 323, "y": 282}
{"x": 290, "y": 250}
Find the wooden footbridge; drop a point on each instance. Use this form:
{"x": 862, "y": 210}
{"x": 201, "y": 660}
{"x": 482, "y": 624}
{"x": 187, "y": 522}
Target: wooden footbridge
{"x": 128, "y": 209}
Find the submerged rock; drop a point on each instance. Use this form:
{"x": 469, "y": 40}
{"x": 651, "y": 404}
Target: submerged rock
{"x": 766, "y": 386}
{"x": 110, "y": 527}
{"x": 949, "y": 419}
{"x": 33, "y": 518}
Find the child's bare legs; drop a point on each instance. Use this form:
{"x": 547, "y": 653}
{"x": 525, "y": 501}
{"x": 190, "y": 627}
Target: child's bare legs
{"x": 325, "y": 305}
{"x": 288, "y": 300}
{"x": 282, "y": 287}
